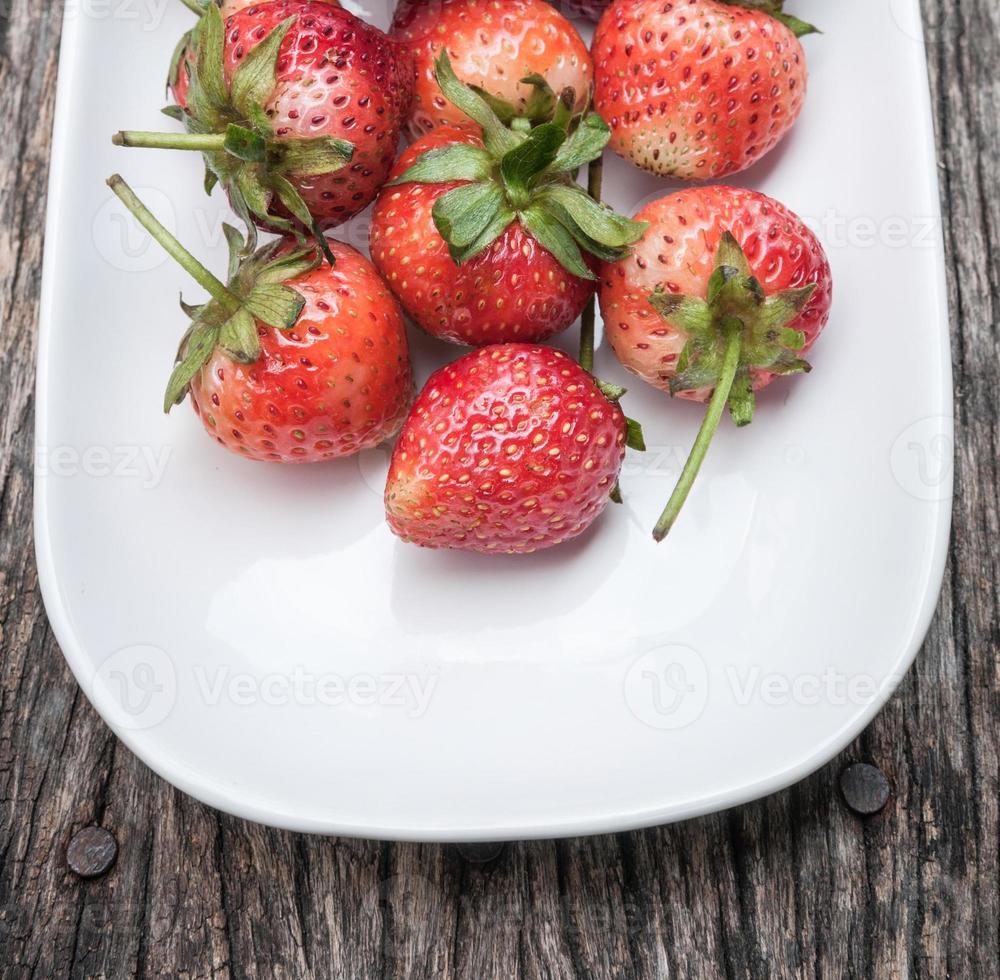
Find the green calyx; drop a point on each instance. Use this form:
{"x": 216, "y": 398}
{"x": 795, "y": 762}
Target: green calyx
{"x": 774, "y": 8}
{"x": 525, "y": 172}
{"x": 542, "y": 106}
{"x": 228, "y": 124}
{"x": 256, "y": 291}
{"x": 634, "y": 437}
{"x": 737, "y": 305}
{"x": 738, "y": 329}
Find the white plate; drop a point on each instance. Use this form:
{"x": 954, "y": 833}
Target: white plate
{"x": 256, "y": 635}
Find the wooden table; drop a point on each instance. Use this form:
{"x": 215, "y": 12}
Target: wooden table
{"x": 795, "y": 885}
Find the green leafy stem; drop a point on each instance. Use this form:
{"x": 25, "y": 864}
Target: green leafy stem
{"x": 257, "y": 291}
{"x": 737, "y": 330}
{"x": 523, "y": 173}
{"x": 774, "y": 8}
{"x": 228, "y": 124}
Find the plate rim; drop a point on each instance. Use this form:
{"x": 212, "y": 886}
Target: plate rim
{"x": 221, "y": 798}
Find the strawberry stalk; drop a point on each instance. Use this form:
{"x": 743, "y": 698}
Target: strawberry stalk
{"x": 736, "y": 331}
{"x": 227, "y": 122}
{"x": 595, "y": 176}
{"x": 257, "y": 292}
{"x": 633, "y": 430}
{"x": 202, "y": 142}
{"x": 709, "y": 426}
{"x": 194, "y": 6}
{"x": 172, "y": 246}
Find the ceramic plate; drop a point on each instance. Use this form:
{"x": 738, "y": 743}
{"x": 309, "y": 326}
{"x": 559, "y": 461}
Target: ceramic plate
{"x": 257, "y": 636}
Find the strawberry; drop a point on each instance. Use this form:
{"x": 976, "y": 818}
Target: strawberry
{"x": 725, "y": 292}
{"x": 499, "y": 46}
{"x": 230, "y": 7}
{"x": 297, "y": 105}
{"x": 515, "y": 289}
{"x": 511, "y": 449}
{"x": 294, "y": 360}
{"x": 480, "y": 236}
{"x": 698, "y": 89}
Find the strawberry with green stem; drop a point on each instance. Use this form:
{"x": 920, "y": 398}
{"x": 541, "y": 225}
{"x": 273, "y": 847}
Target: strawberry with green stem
{"x": 512, "y": 449}
{"x": 227, "y": 8}
{"x": 726, "y": 292}
{"x": 483, "y": 236}
{"x": 297, "y": 106}
{"x": 292, "y": 360}
{"x": 737, "y": 328}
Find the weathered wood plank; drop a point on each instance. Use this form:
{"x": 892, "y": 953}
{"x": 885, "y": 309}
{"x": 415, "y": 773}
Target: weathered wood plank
{"x": 795, "y": 885}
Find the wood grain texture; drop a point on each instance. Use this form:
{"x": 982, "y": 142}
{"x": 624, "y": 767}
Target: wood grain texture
{"x": 792, "y": 886}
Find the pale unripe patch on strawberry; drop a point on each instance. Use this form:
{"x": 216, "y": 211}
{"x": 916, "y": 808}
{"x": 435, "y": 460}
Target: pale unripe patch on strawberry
{"x": 697, "y": 90}
{"x": 492, "y": 43}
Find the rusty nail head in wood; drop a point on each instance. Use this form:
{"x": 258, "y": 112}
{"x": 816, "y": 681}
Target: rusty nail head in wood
{"x": 91, "y": 852}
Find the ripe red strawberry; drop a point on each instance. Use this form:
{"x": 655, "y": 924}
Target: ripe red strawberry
{"x": 495, "y": 45}
{"x": 511, "y": 449}
{"x": 294, "y": 360}
{"x": 480, "y": 238}
{"x": 513, "y": 290}
{"x": 230, "y": 7}
{"x": 297, "y": 105}
{"x": 725, "y": 292}
{"x": 698, "y": 89}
